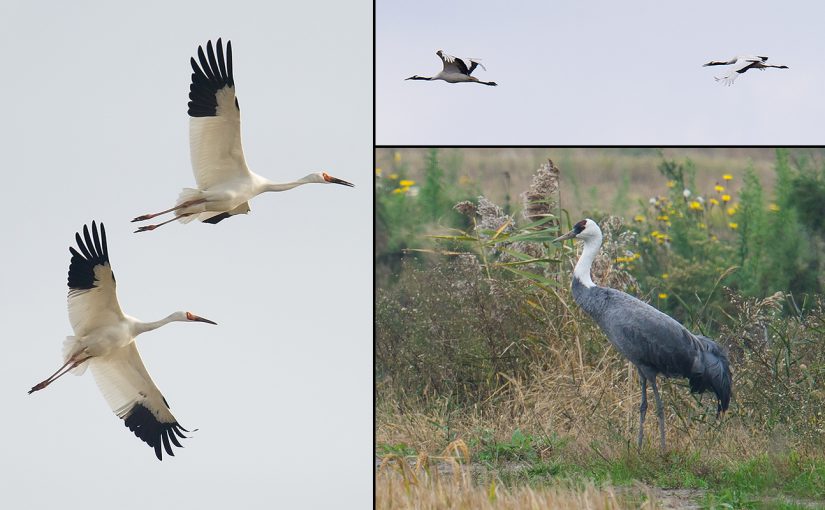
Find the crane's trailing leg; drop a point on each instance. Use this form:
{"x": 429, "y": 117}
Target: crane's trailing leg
{"x": 153, "y": 227}
{"x": 188, "y": 203}
{"x": 60, "y": 372}
{"x": 660, "y": 411}
{"x": 642, "y": 407}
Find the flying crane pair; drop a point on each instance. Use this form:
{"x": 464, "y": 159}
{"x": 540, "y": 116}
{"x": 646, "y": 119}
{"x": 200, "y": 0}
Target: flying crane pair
{"x": 104, "y": 337}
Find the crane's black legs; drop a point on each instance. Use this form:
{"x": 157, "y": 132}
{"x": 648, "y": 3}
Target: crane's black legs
{"x": 75, "y": 363}
{"x": 642, "y": 408}
{"x": 660, "y": 411}
{"x": 188, "y": 203}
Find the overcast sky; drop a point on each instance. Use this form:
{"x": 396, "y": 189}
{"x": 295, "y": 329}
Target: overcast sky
{"x": 600, "y": 72}
{"x": 96, "y": 127}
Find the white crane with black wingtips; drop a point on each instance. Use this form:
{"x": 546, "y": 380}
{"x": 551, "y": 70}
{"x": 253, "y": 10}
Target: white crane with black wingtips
{"x": 456, "y": 70}
{"x": 104, "y": 340}
{"x": 225, "y": 183}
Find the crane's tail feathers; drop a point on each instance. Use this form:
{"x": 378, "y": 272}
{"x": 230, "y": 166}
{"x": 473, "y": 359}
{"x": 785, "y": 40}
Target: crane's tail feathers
{"x": 70, "y": 348}
{"x": 715, "y": 375}
{"x": 187, "y": 195}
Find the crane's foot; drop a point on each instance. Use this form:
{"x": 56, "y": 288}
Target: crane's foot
{"x": 144, "y": 217}
{"x": 146, "y": 228}
{"x": 38, "y": 386}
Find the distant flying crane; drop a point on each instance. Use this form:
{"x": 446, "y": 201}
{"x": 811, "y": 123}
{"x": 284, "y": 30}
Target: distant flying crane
{"x": 653, "y": 341}
{"x": 456, "y": 70}
{"x": 225, "y": 184}
{"x": 104, "y": 339}
{"x": 743, "y": 64}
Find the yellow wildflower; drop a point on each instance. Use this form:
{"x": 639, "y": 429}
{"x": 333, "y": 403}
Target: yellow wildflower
{"x": 725, "y": 198}
{"x": 773, "y": 208}
{"x": 731, "y": 211}
{"x": 639, "y": 218}
{"x": 713, "y": 201}
{"x": 662, "y": 295}
{"x": 406, "y": 183}
{"x": 665, "y": 276}
{"x": 378, "y": 172}
{"x": 719, "y": 188}
{"x": 397, "y": 191}
{"x": 727, "y": 177}
{"x": 701, "y": 225}
{"x": 696, "y": 206}
{"x": 662, "y": 217}
{"x": 733, "y": 225}
{"x": 405, "y": 189}
{"x": 671, "y": 184}
{"x": 393, "y": 176}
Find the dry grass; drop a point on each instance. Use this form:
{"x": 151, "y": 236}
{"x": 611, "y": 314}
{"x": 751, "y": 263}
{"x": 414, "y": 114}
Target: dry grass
{"x": 399, "y": 486}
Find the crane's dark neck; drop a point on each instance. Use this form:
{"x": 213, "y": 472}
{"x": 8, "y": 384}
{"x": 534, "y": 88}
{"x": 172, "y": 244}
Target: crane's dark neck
{"x": 416, "y": 77}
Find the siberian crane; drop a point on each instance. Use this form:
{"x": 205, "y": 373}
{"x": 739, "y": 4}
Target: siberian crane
{"x": 743, "y": 64}
{"x": 104, "y": 340}
{"x": 653, "y": 341}
{"x": 456, "y": 70}
{"x": 224, "y": 182}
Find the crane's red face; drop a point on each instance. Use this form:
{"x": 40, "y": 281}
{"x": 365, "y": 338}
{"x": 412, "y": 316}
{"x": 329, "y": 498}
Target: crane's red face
{"x": 334, "y": 180}
{"x": 192, "y": 317}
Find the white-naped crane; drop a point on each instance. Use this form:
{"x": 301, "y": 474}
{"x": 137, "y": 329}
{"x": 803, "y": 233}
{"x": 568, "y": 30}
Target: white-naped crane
{"x": 456, "y": 70}
{"x": 104, "y": 340}
{"x": 653, "y": 341}
{"x": 225, "y": 183}
{"x": 743, "y": 64}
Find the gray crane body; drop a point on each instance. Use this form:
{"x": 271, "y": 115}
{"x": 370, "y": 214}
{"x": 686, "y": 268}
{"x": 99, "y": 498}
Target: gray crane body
{"x": 653, "y": 341}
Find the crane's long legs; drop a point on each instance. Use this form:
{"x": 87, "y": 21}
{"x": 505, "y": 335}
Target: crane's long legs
{"x": 660, "y": 410}
{"x": 642, "y": 408}
{"x": 60, "y": 372}
{"x": 153, "y": 227}
{"x": 188, "y": 203}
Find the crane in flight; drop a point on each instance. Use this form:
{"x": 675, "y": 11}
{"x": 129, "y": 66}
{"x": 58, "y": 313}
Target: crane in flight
{"x": 225, "y": 184}
{"x": 456, "y": 70}
{"x": 104, "y": 340}
{"x": 653, "y": 341}
{"x": 743, "y": 64}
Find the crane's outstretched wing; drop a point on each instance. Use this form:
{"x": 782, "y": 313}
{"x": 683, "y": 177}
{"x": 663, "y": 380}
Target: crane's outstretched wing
{"x": 92, "y": 290}
{"x": 458, "y": 64}
{"x": 133, "y": 396}
{"x": 215, "y": 123}
{"x": 741, "y": 68}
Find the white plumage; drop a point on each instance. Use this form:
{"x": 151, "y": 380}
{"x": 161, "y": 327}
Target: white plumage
{"x": 742, "y": 65}
{"x": 104, "y": 340}
{"x": 225, "y": 183}
{"x": 456, "y": 70}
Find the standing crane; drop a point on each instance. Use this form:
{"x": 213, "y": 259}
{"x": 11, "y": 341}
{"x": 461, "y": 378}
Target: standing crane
{"x": 653, "y": 341}
{"x": 104, "y": 339}
{"x": 743, "y": 64}
{"x": 225, "y": 184}
{"x": 456, "y": 70}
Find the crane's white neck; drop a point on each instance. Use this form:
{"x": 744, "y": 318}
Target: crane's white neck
{"x": 582, "y": 269}
{"x": 275, "y": 186}
{"x": 142, "y": 327}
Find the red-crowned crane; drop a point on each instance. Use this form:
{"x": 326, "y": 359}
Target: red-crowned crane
{"x": 743, "y": 63}
{"x": 225, "y": 184}
{"x": 104, "y": 340}
{"x": 653, "y": 341}
{"x": 456, "y": 70}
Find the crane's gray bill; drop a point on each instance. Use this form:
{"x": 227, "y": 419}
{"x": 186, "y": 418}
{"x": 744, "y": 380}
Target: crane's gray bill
{"x": 565, "y": 237}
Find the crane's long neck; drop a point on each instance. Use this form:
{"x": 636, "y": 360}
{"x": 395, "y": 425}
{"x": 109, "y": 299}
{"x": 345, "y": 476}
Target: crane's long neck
{"x": 143, "y": 327}
{"x": 276, "y": 186}
{"x": 582, "y": 269}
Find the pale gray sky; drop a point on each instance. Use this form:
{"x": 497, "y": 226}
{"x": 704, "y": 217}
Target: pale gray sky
{"x": 96, "y": 128}
{"x": 600, "y": 72}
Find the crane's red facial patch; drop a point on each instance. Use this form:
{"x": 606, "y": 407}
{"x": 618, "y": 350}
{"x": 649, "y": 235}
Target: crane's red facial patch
{"x": 326, "y": 177}
{"x": 190, "y": 316}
